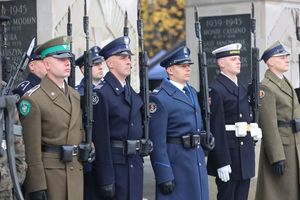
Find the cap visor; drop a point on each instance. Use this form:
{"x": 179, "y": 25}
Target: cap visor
{"x": 62, "y": 55}
{"x": 282, "y": 54}
{"x": 125, "y": 53}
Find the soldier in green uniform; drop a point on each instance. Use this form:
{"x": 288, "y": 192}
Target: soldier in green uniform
{"x": 279, "y": 119}
{"x": 52, "y": 126}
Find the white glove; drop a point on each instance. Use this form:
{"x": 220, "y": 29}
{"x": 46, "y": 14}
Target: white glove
{"x": 241, "y": 129}
{"x": 256, "y": 132}
{"x": 224, "y": 172}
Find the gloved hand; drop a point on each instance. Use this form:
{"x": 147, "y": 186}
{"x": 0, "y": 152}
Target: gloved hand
{"x": 38, "y": 195}
{"x": 146, "y": 147}
{"x": 207, "y": 140}
{"x": 279, "y": 167}
{"x": 92, "y": 154}
{"x": 256, "y": 132}
{"x": 107, "y": 191}
{"x": 167, "y": 187}
{"x": 224, "y": 172}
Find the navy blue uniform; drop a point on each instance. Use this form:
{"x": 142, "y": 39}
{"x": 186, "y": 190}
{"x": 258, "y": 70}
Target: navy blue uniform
{"x": 173, "y": 114}
{"x": 80, "y": 87}
{"x": 229, "y": 104}
{"x": 117, "y": 117}
{"x": 31, "y": 81}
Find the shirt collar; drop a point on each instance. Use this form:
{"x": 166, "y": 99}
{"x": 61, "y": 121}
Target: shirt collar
{"x": 235, "y": 81}
{"x": 178, "y": 85}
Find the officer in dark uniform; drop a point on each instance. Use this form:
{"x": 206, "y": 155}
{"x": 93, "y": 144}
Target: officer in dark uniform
{"x": 117, "y": 128}
{"x": 37, "y": 72}
{"x": 232, "y": 161}
{"x": 175, "y": 124}
{"x": 97, "y": 69}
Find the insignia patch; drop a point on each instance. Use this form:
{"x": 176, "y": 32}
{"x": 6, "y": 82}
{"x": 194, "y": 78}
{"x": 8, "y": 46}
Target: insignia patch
{"x": 261, "y": 94}
{"x": 152, "y": 107}
{"x": 24, "y": 107}
{"x": 95, "y": 99}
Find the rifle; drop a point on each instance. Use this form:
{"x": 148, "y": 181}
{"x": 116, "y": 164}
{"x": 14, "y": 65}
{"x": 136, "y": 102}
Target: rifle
{"x": 85, "y": 148}
{"x": 3, "y": 62}
{"x": 21, "y": 67}
{"x": 147, "y": 145}
{"x": 209, "y": 141}
{"x": 254, "y": 86}
{"x": 71, "y": 78}
{"x": 298, "y": 38}
{"x": 125, "y": 29}
{"x": 7, "y": 109}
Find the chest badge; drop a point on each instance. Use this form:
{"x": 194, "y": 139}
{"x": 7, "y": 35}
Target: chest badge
{"x": 262, "y": 94}
{"x": 95, "y": 99}
{"x": 152, "y": 107}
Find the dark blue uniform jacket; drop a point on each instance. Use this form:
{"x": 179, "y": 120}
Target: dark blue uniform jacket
{"x": 31, "y": 81}
{"x": 117, "y": 118}
{"x": 229, "y": 104}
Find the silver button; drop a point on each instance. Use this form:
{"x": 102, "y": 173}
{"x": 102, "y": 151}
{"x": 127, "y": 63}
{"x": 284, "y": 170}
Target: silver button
{"x": 241, "y": 115}
{"x": 71, "y": 168}
{"x": 199, "y": 164}
{"x": 242, "y": 143}
{"x": 131, "y": 166}
{"x": 131, "y": 124}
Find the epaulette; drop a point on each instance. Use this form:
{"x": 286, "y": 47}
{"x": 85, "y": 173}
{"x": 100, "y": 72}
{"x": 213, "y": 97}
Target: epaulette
{"x": 32, "y": 90}
{"x": 155, "y": 91}
{"x": 23, "y": 85}
{"x": 98, "y": 87}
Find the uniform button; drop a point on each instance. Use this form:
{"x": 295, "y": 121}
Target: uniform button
{"x": 131, "y": 124}
{"x": 199, "y": 164}
{"x": 242, "y": 143}
{"x": 198, "y": 130}
{"x": 241, "y": 115}
{"x": 131, "y": 166}
{"x": 71, "y": 168}
{"x": 196, "y": 113}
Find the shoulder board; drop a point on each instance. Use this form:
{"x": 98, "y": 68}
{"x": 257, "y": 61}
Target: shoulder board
{"x": 32, "y": 90}
{"x": 98, "y": 87}
{"x": 23, "y": 85}
{"x": 155, "y": 91}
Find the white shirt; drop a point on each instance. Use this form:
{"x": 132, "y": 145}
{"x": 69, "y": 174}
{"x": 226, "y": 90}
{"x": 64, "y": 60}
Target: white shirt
{"x": 235, "y": 81}
{"x": 178, "y": 85}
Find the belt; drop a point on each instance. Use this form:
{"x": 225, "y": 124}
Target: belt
{"x": 233, "y": 127}
{"x": 174, "y": 140}
{"x": 285, "y": 124}
{"x": 58, "y": 149}
{"x": 129, "y": 147}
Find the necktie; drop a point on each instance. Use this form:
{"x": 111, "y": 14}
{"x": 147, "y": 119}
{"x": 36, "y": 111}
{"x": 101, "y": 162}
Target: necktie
{"x": 187, "y": 92}
{"x": 127, "y": 93}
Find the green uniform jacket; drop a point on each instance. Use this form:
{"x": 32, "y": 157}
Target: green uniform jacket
{"x": 48, "y": 116}
{"x": 278, "y": 102}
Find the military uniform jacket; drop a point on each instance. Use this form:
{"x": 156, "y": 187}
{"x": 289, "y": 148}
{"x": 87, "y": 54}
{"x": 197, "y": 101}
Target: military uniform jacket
{"x": 229, "y": 104}
{"x": 48, "y": 116}
{"x": 117, "y": 117}
{"x": 31, "y": 81}
{"x": 278, "y": 102}
{"x": 173, "y": 114}
{"x": 80, "y": 87}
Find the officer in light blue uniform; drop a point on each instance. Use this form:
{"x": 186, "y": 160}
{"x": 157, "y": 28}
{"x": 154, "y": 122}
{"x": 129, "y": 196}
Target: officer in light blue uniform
{"x": 232, "y": 161}
{"x": 117, "y": 128}
{"x": 175, "y": 124}
{"x": 97, "y": 69}
{"x": 37, "y": 72}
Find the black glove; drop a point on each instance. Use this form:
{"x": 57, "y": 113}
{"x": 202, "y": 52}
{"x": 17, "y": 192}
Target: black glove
{"x": 167, "y": 187}
{"x": 107, "y": 192}
{"x": 38, "y": 195}
{"x": 207, "y": 140}
{"x": 279, "y": 167}
{"x": 92, "y": 154}
{"x": 146, "y": 147}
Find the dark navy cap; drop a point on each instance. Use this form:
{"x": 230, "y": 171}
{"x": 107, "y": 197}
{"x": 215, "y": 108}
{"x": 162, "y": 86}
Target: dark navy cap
{"x": 116, "y": 47}
{"x": 180, "y": 56}
{"x": 228, "y": 50}
{"x": 96, "y": 58}
{"x": 277, "y": 49}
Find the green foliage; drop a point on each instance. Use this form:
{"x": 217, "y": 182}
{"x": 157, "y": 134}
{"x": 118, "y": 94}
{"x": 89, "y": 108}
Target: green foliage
{"x": 164, "y": 24}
